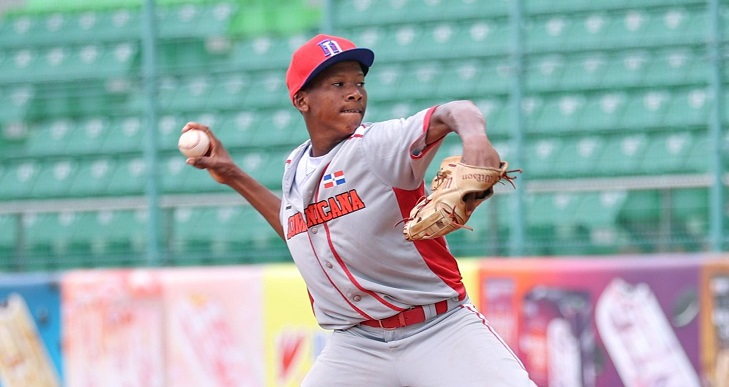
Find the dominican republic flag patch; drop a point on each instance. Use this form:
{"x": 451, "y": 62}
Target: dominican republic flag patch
{"x": 333, "y": 179}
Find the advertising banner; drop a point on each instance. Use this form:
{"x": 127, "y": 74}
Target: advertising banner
{"x": 628, "y": 321}
{"x": 292, "y": 336}
{"x": 213, "y": 326}
{"x": 111, "y": 332}
{"x": 30, "y": 323}
{"x": 715, "y": 321}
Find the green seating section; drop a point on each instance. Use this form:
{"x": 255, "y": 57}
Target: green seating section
{"x": 611, "y": 89}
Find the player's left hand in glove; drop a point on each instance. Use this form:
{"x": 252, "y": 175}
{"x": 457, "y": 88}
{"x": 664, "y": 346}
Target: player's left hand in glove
{"x": 457, "y": 190}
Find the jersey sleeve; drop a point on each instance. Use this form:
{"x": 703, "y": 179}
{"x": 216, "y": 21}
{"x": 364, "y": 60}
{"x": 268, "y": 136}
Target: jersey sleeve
{"x": 396, "y": 151}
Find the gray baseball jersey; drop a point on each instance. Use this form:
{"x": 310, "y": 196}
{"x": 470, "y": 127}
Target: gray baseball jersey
{"x": 344, "y": 226}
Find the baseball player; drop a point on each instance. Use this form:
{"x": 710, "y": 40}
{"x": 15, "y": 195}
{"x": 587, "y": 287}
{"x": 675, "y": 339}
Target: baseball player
{"x": 398, "y": 309}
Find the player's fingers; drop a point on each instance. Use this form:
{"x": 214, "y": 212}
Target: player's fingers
{"x": 470, "y": 200}
{"x": 195, "y": 125}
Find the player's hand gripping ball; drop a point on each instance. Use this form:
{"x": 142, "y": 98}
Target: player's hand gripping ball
{"x": 457, "y": 190}
{"x": 194, "y": 143}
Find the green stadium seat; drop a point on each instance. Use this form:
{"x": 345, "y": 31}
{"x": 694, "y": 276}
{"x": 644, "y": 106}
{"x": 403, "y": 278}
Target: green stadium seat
{"x": 544, "y": 72}
{"x": 698, "y": 159}
{"x": 19, "y": 178}
{"x": 483, "y": 38}
{"x": 125, "y": 134}
{"x": 499, "y": 116}
{"x": 296, "y": 17}
{"x": 625, "y": 29}
{"x": 599, "y": 209}
{"x": 361, "y": 13}
{"x": 183, "y": 21}
{"x": 580, "y": 156}
{"x": 543, "y": 154}
{"x": 641, "y": 206}
{"x": 565, "y": 32}
{"x": 603, "y": 111}
{"x": 278, "y": 127}
{"x": 264, "y": 52}
{"x": 235, "y": 128}
{"x": 621, "y": 154}
{"x": 688, "y": 108}
{"x": 676, "y": 66}
{"x": 419, "y": 80}
{"x": 646, "y": 110}
{"x": 551, "y": 209}
{"x": 228, "y": 91}
{"x": 129, "y": 177}
{"x": 13, "y": 110}
{"x": 113, "y": 24}
{"x": 236, "y": 233}
{"x": 53, "y": 179}
{"x": 42, "y": 237}
{"x": 691, "y": 206}
{"x": 175, "y": 173}
{"x": 47, "y": 138}
{"x": 676, "y": 26}
{"x": 87, "y": 136}
{"x": 583, "y": 71}
{"x": 265, "y": 165}
{"x": 560, "y": 114}
{"x": 457, "y": 10}
{"x": 396, "y": 43}
{"x": 496, "y": 78}
{"x": 457, "y": 79}
{"x": 252, "y": 20}
{"x": 190, "y": 94}
{"x": 123, "y": 236}
{"x": 270, "y": 91}
{"x": 22, "y": 64}
{"x": 93, "y": 177}
{"x": 667, "y": 153}
{"x": 8, "y": 240}
{"x": 383, "y": 82}
{"x": 626, "y": 69}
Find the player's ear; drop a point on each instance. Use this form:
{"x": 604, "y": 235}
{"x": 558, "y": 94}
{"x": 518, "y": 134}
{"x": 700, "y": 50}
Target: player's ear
{"x": 300, "y": 101}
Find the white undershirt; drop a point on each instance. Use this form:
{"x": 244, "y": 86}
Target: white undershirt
{"x": 306, "y": 167}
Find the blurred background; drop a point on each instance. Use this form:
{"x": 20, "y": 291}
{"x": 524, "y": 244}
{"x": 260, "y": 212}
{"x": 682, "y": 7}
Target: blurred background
{"x": 614, "y": 109}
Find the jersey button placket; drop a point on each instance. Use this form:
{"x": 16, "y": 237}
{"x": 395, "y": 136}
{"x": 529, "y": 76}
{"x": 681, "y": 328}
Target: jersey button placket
{"x": 357, "y": 298}
{"x": 329, "y": 265}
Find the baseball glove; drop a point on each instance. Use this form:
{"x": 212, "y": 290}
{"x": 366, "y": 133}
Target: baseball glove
{"x": 457, "y": 190}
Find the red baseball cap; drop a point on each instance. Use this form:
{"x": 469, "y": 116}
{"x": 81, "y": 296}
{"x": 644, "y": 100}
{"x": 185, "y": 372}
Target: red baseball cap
{"x": 320, "y": 52}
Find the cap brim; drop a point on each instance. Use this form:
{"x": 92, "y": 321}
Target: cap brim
{"x": 364, "y": 56}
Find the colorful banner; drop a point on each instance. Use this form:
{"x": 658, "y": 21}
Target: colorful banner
{"x": 293, "y": 337}
{"x": 715, "y": 321}
{"x": 30, "y": 322}
{"x": 608, "y": 322}
{"x": 213, "y": 326}
{"x": 112, "y": 322}
{"x": 629, "y": 321}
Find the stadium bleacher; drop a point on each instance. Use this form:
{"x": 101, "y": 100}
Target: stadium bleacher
{"x": 615, "y": 90}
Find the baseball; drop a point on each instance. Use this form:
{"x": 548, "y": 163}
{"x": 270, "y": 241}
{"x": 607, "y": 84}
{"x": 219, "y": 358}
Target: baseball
{"x": 194, "y": 143}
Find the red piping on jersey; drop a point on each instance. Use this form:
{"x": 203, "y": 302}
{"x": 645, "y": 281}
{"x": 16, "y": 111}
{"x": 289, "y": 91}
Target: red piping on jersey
{"x": 426, "y": 125}
{"x": 361, "y": 312}
{"x": 341, "y": 262}
{"x": 433, "y": 251}
{"x": 343, "y": 266}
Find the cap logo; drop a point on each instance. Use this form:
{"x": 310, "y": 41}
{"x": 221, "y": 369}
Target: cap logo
{"x": 330, "y": 47}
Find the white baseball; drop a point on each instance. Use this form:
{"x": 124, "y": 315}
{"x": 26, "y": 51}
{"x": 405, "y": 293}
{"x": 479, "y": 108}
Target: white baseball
{"x": 194, "y": 143}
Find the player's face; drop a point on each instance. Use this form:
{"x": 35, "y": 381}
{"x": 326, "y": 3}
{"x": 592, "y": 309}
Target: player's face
{"x": 337, "y": 99}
